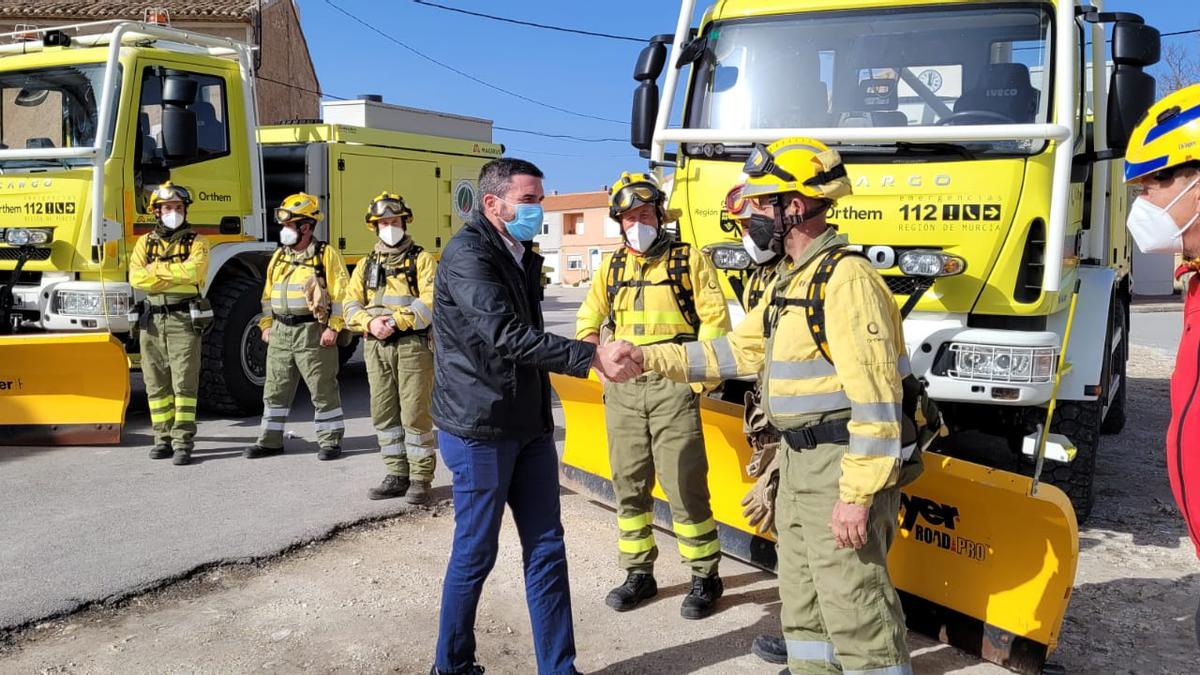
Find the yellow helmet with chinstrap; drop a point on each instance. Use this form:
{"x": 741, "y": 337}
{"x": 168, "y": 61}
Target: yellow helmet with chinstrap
{"x": 803, "y": 165}
{"x": 299, "y": 206}
{"x": 387, "y": 205}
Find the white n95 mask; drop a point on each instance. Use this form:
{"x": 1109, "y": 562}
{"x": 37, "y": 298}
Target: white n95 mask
{"x": 641, "y": 236}
{"x": 1154, "y": 229}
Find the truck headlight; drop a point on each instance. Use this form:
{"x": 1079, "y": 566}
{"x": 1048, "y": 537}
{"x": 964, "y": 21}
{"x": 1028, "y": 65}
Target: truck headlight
{"x": 24, "y": 236}
{"x": 729, "y": 257}
{"x": 990, "y": 363}
{"x": 89, "y": 303}
{"x": 927, "y": 263}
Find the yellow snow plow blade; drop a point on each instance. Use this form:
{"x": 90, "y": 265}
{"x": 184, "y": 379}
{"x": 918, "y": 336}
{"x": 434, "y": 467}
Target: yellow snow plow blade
{"x": 62, "y": 389}
{"x": 980, "y": 562}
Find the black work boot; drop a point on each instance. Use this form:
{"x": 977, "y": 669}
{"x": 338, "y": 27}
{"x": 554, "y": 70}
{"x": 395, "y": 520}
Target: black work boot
{"x": 332, "y": 452}
{"x": 770, "y": 648}
{"x": 418, "y": 493}
{"x": 390, "y": 488}
{"x": 638, "y": 586}
{"x": 181, "y": 457}
{"x": 161, "y": 451}
{"x": 256, "y": 451}
{"x": 702, "y": 599}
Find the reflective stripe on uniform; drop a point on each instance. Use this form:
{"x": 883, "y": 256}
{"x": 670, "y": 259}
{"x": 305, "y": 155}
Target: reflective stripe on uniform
{"x": 185, "y": 408}
{"x": 884, "y": 413}
{"x": 699, "y": 552}
{"x": 811, "y": 650}
{"x": 800, "y": 370}
{"x": 873, "y": 446}
{"x": 327, "y": 415}
{"x": 394, "y": 300}
{"x": 904, "y": 366}
{"x": 694, "y": 530}
{"x": 330, "y": 426}
{"x": 162, "y": 416}
{"x": 426, "y": 439}
{"x": 726, "y": 365}
{"x": 392, "y": 449}
{"x": 695, "y": 361}
{"x": 422, "y": 315}
{"x": 268, "y": 411}
{"x": 335, "y": 308}
{"x": 634, "y": 523}
{"x": 268, "y": 425}
{"x": 419, "y": 451}
{"x": 635, "y": 545}
{"x": 899, "y": 669}
{"x": 809, "y": 403}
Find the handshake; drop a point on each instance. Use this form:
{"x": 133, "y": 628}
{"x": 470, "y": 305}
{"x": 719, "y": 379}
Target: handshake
{"x": 618, "y": 361}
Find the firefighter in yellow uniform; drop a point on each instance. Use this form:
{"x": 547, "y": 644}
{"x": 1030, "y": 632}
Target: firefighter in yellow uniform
{"x": 837, "y": 402}
{"x": 655, "y": 289}
{"x": 169, "y": 265}
{"x": 390, "y": 301}
{"x": 302, "y": 315}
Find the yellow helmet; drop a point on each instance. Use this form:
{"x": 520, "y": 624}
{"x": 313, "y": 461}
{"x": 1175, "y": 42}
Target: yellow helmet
{"x": 1167, "y": 137}
{"x": 297, "y": 206}
{"x": 168, "y": 192}
{"x": 803, "y": 165}
{"x": 633, "y": 189}
{"x": 387, "y": 205}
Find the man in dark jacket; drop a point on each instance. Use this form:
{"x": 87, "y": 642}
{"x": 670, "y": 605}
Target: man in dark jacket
{"x": 491, "y": 402}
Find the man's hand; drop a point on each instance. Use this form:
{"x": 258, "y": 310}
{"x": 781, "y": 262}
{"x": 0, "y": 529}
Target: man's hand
{"x": 849, "y": 524}
{"x": 266, "y": 335}
{"x": 613, "y": 361}
{"x": 381, "y": 328}
{"x": 328, "y": 337}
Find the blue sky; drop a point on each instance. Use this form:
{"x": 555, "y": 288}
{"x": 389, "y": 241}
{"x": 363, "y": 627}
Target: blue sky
{"x": 584, "y": 74}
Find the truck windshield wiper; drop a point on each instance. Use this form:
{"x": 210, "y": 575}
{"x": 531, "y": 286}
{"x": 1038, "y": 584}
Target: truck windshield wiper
{"x": 908, "y": 148}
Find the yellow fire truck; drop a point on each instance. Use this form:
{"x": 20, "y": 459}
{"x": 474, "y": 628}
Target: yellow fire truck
{"x": 92, "y": 117}
{"x": 983, "y": 140}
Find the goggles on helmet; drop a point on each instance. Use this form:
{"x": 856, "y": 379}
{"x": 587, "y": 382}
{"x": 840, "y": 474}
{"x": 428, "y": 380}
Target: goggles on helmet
{"x": 385, "y": 208}
{"x": 638, "y": 193}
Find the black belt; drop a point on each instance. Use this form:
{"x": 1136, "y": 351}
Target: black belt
{"x": 168, "y": 308}
{"x": 836, "y": 432}
{"x": 294, "y": 319}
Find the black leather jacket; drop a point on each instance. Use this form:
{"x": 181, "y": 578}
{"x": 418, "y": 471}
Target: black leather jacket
{"x": 491, "y": 354}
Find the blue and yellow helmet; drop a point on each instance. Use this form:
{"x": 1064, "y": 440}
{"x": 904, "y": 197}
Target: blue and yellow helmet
{"x": 1167, "y": 137}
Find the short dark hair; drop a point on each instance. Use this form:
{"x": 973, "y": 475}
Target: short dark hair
{"x": 496, "y": 176}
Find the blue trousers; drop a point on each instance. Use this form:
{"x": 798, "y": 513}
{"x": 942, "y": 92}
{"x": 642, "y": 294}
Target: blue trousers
{"x": 488, "y": 475}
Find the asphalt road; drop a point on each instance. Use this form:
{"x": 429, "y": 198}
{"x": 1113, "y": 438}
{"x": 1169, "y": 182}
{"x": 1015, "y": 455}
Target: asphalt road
{"x": 93, "y": 524}
{"x": 85, "y": 525}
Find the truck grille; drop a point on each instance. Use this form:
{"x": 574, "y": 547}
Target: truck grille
{"x": 15, "y": 253}
{"x": 902, "y": 285}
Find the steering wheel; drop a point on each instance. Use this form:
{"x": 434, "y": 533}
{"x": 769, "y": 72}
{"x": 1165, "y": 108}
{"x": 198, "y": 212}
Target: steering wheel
{"x": 984, "y": 115}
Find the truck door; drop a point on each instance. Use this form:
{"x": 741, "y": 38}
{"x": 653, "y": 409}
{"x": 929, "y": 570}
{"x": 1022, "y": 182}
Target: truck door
{"x": 216, "y": 173}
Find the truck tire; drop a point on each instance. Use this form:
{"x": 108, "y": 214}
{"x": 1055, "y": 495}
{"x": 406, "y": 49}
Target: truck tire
{"x": 1080, "y": 422}
{"x": 234, "y": 356}
{"x": 1114, "y": 419}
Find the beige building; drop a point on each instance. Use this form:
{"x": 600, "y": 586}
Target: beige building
{"x": 287, "y": 81}
{"x": 586, "y": 233}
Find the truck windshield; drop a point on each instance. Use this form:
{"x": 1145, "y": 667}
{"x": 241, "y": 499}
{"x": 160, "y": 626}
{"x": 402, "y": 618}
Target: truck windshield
{"x": 887, "y": 68}
{"x": 49, "y": 108}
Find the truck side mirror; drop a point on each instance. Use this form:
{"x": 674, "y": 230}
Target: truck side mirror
{"x": 650, "y": 62}
{"x": 645, "y": 113}
{"x": 179, "y": 125}
{"x": 649, "y": 66}
{"x": 1135, "y": 46}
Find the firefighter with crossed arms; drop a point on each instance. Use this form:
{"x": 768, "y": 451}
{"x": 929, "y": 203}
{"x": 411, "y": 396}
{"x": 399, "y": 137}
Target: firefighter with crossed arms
{"x": 170, "y": 264}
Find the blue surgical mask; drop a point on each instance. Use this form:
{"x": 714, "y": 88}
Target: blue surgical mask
{"x": 527, "y": 222}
